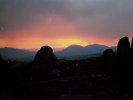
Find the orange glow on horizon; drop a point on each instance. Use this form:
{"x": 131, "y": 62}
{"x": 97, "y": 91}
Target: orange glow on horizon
{"x": 53, "y": 31}
{"x": 30, "y": 43}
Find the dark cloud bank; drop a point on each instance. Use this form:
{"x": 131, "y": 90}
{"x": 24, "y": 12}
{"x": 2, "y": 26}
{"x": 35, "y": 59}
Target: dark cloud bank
{"x": 103, "y": 18}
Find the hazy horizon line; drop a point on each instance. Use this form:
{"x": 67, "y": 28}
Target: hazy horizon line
{"x": 55, "y": 49}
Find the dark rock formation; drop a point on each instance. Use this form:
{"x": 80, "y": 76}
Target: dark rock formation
{"x": 45, "y": 56}
{"x": 123, "y": 48}
{"x": 108, "y": 53}
{"x": 124, "y": 68}
{"x": 108, "y": 59}
{"x": 45, "y": 62}
{"x": 132, "y": 45}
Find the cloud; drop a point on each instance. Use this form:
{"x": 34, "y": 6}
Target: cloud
{"x": 19, "y": 13}
{"x": 106, "y": 19}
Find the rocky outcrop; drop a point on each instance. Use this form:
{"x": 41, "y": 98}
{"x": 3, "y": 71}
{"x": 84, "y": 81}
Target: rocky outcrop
{"x": 123, "y": 48}
{"x": 45, "y": 56}
{"x": 124, "y": 60}
{"x": 108, "y": 60}
{"x": 108, "y": 53}
{"x": 45, "y": 62}
{"x": 132, "y": 45}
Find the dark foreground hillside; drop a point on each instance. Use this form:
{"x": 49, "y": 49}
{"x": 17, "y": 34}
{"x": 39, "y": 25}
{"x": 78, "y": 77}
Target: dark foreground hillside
{"x": 108, "y": 77}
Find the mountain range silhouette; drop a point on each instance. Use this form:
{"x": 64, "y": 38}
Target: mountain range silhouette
{"x": 107, "y": 76}
{"x": 70, "y": 52}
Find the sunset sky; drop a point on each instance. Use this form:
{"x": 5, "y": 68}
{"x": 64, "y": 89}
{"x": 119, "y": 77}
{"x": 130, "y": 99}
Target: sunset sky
{"x": 31, "y": 24}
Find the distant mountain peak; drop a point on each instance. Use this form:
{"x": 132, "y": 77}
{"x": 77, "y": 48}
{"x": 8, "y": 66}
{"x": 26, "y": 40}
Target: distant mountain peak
{"x": 76, "y": 50}
{"x": 9, "y": 53}
{"x": 72, "y": 48}
{"x": 74, "y": 45}
{"x": 99, "y": 45}
{"x": 11, "y": 48}
{"x": 70, "y": 51}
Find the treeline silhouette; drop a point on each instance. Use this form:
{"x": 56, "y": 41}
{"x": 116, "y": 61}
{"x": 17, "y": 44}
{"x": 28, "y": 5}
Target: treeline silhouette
{"x": 107, "y": 77}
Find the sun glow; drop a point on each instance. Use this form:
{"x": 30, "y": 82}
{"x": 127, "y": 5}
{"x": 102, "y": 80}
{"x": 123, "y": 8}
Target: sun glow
{"x": 50, "y": 30}
{"x": 66, "y": 42}
{"x": 28, "y": 43}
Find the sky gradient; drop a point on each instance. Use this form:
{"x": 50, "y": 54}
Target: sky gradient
{"x": 30, "y": 24}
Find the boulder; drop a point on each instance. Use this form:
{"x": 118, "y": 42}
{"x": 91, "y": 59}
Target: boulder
{"x": 123, "y": 47}
{"x": 45, "y": 56}
{"x": 44, "y": 62}
{"x": 108, "y": 53}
